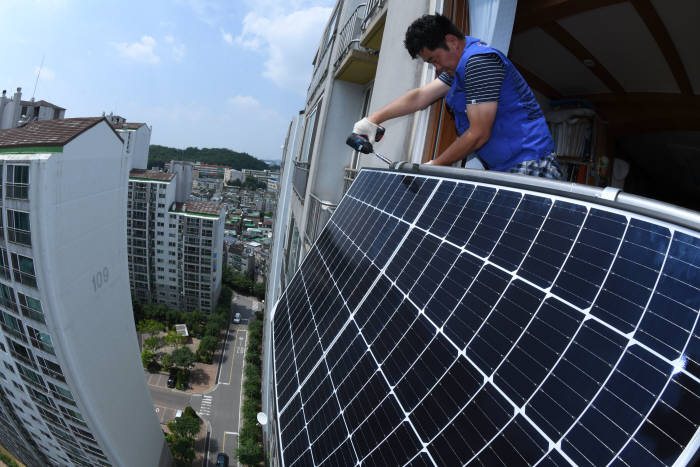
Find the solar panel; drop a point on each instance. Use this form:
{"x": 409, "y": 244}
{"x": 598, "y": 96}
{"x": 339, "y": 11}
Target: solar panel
{"x": 445, "y": 322}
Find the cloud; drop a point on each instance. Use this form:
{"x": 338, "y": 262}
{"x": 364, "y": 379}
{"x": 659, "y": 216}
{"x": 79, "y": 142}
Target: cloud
{"x": 226, "y": 36}
{"x": 47, "y": 73}
{"x": 244, "y": 101}
{"x": 169, "y": 39}
{"x": 178, "y": 51}
{"x": 142, "y": 52}
{"x": 288, "y": 41}
{"x": 208, "y": 11}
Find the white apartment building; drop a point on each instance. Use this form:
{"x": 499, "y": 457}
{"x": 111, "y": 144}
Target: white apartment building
{"x": 175, "y": 246}
{"x": 71, "y": 370}
{"x": 14, "y": 111}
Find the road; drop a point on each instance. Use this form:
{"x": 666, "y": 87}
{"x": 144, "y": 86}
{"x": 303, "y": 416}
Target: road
{"x": 220, "y": 406}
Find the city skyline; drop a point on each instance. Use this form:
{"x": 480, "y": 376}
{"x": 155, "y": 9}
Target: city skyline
{"x": 170, "y": 64}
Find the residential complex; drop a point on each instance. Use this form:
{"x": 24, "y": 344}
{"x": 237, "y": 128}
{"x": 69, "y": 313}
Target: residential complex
{"x": 361, "y": 65}
{"x": 14, "y": 111}
{"x": 71, "y": 371}
{"x": 175, "y": 246}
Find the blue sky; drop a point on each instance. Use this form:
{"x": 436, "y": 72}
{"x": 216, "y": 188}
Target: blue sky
{"x": 205, "y": 73}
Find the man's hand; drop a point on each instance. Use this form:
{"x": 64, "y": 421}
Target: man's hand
{"x": 366, "y": 128}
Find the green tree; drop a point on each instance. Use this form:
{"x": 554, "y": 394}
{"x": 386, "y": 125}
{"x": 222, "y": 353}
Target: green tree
{"x": 152, "y": 343}
{"x": 206, "y": 349}
{"x": 146, "y": 357}
{"x": 174, "y": 339}
{"x": 166, "y": 362}
{"x": 172, "y": 316}
{"x": 149, "y": 326}
{"x": 259, "y": 290}
{"x": 185, "y": 426}
{"x": 183, "y": 357}
{"x": 182, "y": 449}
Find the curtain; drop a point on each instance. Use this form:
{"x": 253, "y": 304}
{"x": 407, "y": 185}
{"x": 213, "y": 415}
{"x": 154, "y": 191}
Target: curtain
{"x": 492, "y": 21}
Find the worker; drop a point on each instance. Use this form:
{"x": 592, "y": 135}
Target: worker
{"x": 496, "y": 114}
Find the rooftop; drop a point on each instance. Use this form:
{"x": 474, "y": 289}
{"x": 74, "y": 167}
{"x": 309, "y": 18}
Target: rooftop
{"x": 47, "y": 132}
{"x": 198, "y": 207}
{"x": 41, "y": 103}
{"x": 145, "y": 174}
{"x": 127, "y": 126}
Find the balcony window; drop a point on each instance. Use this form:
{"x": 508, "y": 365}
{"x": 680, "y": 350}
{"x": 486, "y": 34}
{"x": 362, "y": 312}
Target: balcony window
{"x": 51, "y": 369}
{"x": 17, "y": 185}
{"x": 41, "y": 340}
{"x": 23, "y": 268}
{"x": 4, "y": 265}
{"x": 18, "y": 230}
{"x": 31, "y": 308}
{"x": 12, "y": 326}
{"x": 21, "y": 353}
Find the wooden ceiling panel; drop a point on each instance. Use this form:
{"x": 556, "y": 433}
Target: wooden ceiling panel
{"x": 621, "y": 42}
{"x": 544, "y": 57}
{"x": 682, "y": 21}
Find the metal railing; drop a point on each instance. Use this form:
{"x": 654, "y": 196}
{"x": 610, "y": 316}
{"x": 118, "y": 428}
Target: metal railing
{"x": 348, "y": 177}
{"x": 319, "y": 213}
{"x": 321, "y": 68}
{"x": 300, "y": 177}
{"x": 349, "y": 36}
{"x": 373, "y": 7}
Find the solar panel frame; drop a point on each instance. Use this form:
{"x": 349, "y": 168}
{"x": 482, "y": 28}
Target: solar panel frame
{"x": 403, "y": 205}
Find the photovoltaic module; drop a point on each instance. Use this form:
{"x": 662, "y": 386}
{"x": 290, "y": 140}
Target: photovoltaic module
{"x": 445, "y": 322}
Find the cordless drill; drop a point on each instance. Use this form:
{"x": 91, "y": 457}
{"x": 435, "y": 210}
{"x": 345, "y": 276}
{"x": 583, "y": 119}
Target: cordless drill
{"x": 361, "y": 142}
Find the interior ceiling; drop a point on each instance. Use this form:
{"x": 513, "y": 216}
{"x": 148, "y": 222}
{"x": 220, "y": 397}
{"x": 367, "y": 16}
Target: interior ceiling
{"x": 637, "y": 62}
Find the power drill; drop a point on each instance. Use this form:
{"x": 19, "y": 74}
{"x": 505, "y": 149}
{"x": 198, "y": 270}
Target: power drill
{"x": 361, "y": 142}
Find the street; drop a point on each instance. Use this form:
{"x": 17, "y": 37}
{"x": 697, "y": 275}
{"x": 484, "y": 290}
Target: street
{"x": 219, "y": 406}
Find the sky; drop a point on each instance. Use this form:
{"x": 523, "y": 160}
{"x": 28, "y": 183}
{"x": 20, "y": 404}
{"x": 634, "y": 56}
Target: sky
{"x": 202, "y": 73}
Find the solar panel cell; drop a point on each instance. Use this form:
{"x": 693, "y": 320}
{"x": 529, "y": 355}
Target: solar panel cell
{"x": 492, "y": 224}
{"x": 470, "y": 215}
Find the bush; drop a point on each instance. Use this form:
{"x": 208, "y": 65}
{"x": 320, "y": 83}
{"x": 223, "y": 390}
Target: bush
{"x": 250, "y": 449}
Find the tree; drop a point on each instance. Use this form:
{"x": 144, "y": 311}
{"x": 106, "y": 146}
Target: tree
{"x": 182, "y": 449}
{"x": 146, "y": 357}
{"x": 183, "y": 358}
{"x": 174, "y": 339}
{"x": 149, "y": 326}
{"x": 172, "y": 316}
{"x": 167, "y": 361}
{"x": 259, "y": 290}
{"x": 206, "y": 349}
{"x": 185, "y": 426}
{"x": 152, "y": 343}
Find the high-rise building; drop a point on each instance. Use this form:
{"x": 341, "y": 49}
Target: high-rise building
{"x": 71, "y": 371}
{"x": 175, "y": 246}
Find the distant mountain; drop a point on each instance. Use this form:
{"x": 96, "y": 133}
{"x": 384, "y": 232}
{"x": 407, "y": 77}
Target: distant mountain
{"x": 159, "y": 155}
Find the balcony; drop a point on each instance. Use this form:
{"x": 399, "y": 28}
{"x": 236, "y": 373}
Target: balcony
{"x": 319, "y": 213}
{"x": 348, "y": 177}
{"x": 353, "y": 62}
{"x": 299, "y": 178}
{"x": 373, "y": 24}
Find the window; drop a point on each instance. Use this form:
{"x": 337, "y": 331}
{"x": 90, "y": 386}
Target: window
{"x": 7, "y": 296}
{"x": 41, "y": 340}
{"x": 23, "y": 268}
{"x": 12, "y": 326}
{"x": 17, "y": 185}
{"x": 18, "y": 227}
{"x": 50, "y": 368}
{"x": 31, "y": 308}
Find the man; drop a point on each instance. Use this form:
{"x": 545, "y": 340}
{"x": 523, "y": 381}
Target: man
{"x": 495, "y": 111}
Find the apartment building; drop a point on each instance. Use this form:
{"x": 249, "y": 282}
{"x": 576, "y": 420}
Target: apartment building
{"x": 14, "y": 111}
{"x": 71, "y": 373}
{"x": 175, "y": 246}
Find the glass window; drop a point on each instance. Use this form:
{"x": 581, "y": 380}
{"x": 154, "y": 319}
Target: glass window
{"x": 17, "y": 177}
{"x": 18, "y": 228}
{"x": 41, "y": 340}
{"x": 23, "y": 268}
{"x": 31, "y": 308}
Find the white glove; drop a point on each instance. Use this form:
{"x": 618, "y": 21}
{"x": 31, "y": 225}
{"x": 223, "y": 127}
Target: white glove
{"x": 366, "y": 128}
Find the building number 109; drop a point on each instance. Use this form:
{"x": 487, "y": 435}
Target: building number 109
{"x": 100, "y": 278}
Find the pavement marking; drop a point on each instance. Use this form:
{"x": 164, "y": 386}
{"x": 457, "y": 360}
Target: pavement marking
{"x": 240, "y": 402}
{"x": 205, "y": 407}
{"x": 223, "y": 445}
{"x": 222, "y": 356}
{"x": 244, "y": 337}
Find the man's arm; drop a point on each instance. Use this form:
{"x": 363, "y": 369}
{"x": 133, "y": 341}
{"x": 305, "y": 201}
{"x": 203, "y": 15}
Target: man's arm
{"x": 481, "y": 118}
{"x": 413, "y": 100}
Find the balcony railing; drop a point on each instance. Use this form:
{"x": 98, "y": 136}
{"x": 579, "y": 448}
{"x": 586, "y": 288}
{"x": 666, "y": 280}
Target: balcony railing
{"x": 300, "y": 177}
{"x": 349, "y": 36}
{"x": 319, "y": 213}
{"x": 348, "y": 178}
{"x": 373, "y": 7}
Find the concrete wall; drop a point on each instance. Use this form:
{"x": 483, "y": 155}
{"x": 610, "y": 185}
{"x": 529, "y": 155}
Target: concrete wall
{"x": 79, "y": 202}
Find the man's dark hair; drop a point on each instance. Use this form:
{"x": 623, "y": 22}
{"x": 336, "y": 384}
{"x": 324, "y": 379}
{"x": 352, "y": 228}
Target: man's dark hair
{"x": 429, "y": 32}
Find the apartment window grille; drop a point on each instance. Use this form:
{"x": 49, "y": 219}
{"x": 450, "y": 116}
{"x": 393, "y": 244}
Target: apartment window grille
{"x": 9, "y": 367}
{"x": 18, "y": 229}
{"x": 17, "y": 181}
{"x": 23, "y": 269}
{"x": 51, "y": 369}
{"x": 31, "y": 308}
{"x": 12, "y": 326}
{"x": 61, "y": 394}
{"x": 21, "y": 353}
{"x": 41, "y": 340}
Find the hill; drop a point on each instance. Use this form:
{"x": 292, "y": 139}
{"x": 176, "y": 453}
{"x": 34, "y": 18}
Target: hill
{"x": 159, "y": 155}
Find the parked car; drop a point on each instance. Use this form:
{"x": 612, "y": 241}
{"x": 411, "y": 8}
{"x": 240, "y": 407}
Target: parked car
{"x": 172, "y": 379}
{"x": 178, "y": 414}
{"x": 222, "y": 460}
{"x": 237, "y": 318}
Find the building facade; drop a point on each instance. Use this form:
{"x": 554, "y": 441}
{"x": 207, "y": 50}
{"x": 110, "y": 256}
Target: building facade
{"x": 175, "y": 247}
{"x": 14, "y": 111}
{"x": 71, "y": 371}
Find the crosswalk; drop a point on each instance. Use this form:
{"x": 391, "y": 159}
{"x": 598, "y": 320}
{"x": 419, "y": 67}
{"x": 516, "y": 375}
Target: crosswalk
{"x": 206, "y": 406}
